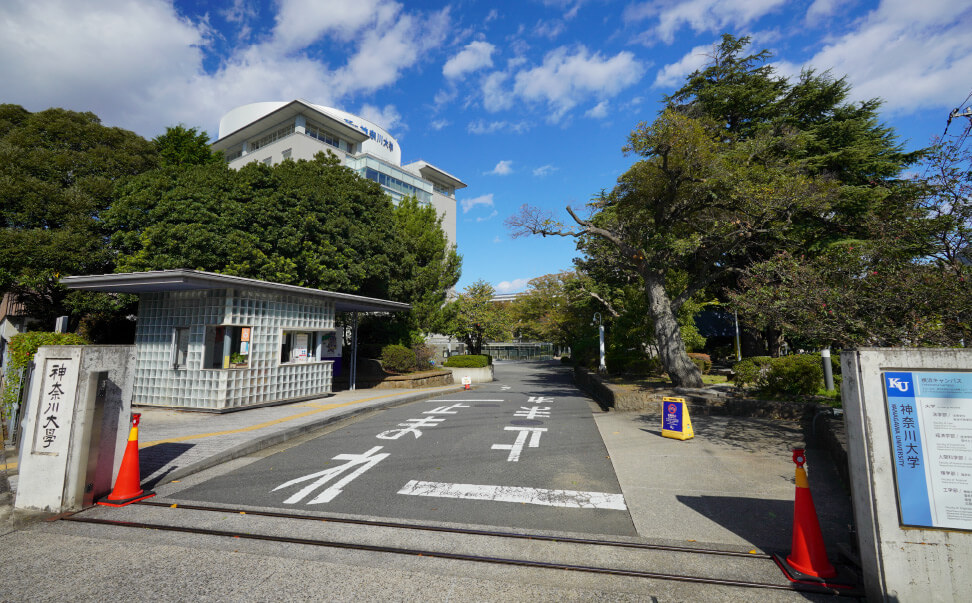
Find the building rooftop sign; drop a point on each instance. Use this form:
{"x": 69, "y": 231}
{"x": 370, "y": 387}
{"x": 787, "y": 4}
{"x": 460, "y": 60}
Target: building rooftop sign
{"x": 187, "y": 280}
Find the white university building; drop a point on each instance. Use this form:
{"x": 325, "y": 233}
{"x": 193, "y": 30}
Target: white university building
{"x": 271, "y": 132}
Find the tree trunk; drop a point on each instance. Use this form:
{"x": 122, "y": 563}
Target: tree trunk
{"x": 668, "y": 337}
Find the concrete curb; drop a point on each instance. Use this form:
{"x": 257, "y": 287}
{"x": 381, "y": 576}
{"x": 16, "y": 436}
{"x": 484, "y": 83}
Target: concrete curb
{"x": 272, "y": 439}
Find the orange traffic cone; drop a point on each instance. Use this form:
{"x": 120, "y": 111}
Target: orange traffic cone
{"x": 808, "y": 554}
{"x": 128, "y": 484}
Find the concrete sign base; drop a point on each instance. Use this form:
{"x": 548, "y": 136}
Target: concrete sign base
{"x": 75, "y": 425}
{"x": 909, "y": 430}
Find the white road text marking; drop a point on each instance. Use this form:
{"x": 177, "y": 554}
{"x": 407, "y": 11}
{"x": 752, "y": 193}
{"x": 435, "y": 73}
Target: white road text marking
{"x": 515, "y": 494}
{"x": 366, "y": 460}
{"x": 516, "y": 447}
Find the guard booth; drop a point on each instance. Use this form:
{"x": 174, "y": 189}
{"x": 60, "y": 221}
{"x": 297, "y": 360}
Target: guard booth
{"x": 215, "y": 342}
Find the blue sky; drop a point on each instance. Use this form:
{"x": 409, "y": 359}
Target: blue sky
{"x": 526, "y": 102}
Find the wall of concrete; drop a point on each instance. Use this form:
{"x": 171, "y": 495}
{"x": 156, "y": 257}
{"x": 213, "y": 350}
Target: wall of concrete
{"x": 477, "y": 375}
{"x": 900, "y": 563}
{"x": 94, "y": 423}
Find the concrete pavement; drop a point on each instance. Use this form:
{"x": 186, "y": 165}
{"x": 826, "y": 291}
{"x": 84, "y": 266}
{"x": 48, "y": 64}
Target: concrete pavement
{"x": 731, "y": 487}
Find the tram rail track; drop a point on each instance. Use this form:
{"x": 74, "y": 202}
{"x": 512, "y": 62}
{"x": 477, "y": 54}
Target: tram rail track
{"x": 792, "y": 585}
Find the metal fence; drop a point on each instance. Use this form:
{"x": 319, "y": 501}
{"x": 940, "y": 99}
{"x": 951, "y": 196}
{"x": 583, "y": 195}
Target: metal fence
{"x": 520, "y": 351}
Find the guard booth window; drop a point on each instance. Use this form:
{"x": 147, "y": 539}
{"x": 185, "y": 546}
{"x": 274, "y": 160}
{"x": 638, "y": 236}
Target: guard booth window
{"x": 227, "y": 346}
{"x": 180, "y": 347}
{"x": 301, "y": 346}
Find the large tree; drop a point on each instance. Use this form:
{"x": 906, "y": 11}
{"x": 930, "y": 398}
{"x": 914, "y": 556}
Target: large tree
{"x": 58, "y": 172}
{"x": 691, "y": 210}
{"x": 427, "y": 268}
{"x": 740, "y": 164}
{"x": 474, "y": 318}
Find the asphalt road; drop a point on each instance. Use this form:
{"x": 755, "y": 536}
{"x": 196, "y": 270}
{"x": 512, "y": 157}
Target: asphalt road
{"x": 521, "y": 452}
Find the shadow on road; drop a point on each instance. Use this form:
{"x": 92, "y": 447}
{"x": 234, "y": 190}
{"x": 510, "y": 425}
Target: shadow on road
{"x": 766, "y": 523}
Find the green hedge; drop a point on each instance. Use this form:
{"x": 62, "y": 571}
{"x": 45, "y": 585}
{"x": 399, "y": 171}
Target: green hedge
{"x": 22, "y": 348}
{"x": 752, "y": 371}
{"x": 703, "y": 361}
{"x": 397, "y": 359}
{"x": 797, "y": 375}
{"x": 467, "y": 361}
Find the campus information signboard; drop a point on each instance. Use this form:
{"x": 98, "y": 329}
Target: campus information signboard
{"x": 930, "y": 423}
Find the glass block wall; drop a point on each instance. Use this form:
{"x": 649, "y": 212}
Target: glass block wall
{"x": 264, "y": 380}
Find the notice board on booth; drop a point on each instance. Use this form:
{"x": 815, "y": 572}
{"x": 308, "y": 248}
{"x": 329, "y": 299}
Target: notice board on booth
{"x": 930, "y": 426}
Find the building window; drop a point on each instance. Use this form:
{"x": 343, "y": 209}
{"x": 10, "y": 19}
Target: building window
{"x": 324, "y": 136}
{"x": 227, "y": 346}
{"x": 180, "y": 347}
{"x": 286, "y": 153}
{"x": 306, "y": 346}
{"x": 267, "y": 160}
{"x": 272, "y": 136}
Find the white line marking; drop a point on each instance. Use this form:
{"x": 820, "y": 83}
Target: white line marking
{"x": 516, "y": 494}
{"x": 465, "y": 400}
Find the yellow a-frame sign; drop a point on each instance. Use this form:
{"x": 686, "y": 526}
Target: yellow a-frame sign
{"x": 675, "y": 419}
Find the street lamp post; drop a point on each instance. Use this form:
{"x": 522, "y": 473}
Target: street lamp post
{"x": 602, "y": 367}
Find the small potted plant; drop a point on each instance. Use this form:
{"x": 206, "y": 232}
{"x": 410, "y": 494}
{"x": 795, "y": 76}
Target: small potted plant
{"x": 238, "y": 361}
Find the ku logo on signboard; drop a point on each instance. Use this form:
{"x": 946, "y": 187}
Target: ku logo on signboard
{"x": 898, "y": 384}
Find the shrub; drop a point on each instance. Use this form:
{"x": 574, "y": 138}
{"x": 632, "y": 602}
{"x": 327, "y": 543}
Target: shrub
{"x": 565, "y": 360}
{"x": 423, "y": 356}
{"x": 797, "y": 375}
{"x": 22, "y": 348}
{"x": 467, "y": 361}
{"x": 703, "y": 361}
{"x": 752, "y": 371}
{"x": 397, "y": 359}
{"x": 644, "y": 367}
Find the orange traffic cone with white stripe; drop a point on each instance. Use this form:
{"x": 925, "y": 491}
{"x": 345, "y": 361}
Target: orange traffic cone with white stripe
{"x": 128, "y": 484}
{"x": 808, "y": 555}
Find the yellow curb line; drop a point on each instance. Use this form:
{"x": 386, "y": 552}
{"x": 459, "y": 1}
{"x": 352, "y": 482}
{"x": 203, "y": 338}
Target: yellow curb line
{"x": 268, "y": 423}
{"x": 8, "y": 466}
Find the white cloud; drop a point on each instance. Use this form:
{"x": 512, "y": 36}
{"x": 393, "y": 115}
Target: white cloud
{"x": 468, "y": 204}
{"x": 497, "y": 239}
{"x": 549, "y": 29}
{"x": 598, "y": 111}
{"x": 474, "y": 56}
{"x": 138, "y": 64}
{"x": 517, "y": 284}
{"x": 671, "y": 75}
{"x": 303, "y": 22}
{"x": 700, "y": 15}
{"x": 439, "y": 124}
{"x": 108, "y": 56}
{"x": 567, "y": 76}
{"x": 502, "y": 168}
{"x": 544, "y": 170}
{"x": 482, "y": 127}
{"x": 489, "y": 217}
{"x": 912, "y": 55}
{"x": 387, "y": 118}
{"x": 495, "y": 96}
{"x": 821, "y": 9}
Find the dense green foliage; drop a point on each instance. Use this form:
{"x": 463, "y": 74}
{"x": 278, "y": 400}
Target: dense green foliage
{"x": 397, "y": 359}
{"x": 752, "y": 371}
{"x": 58, "y": 171}
{"x": 795, "y": 375}
{"x": 467, "y": 361}
{"x": 181, "y": 146}
{"x": 21, "y": 352}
